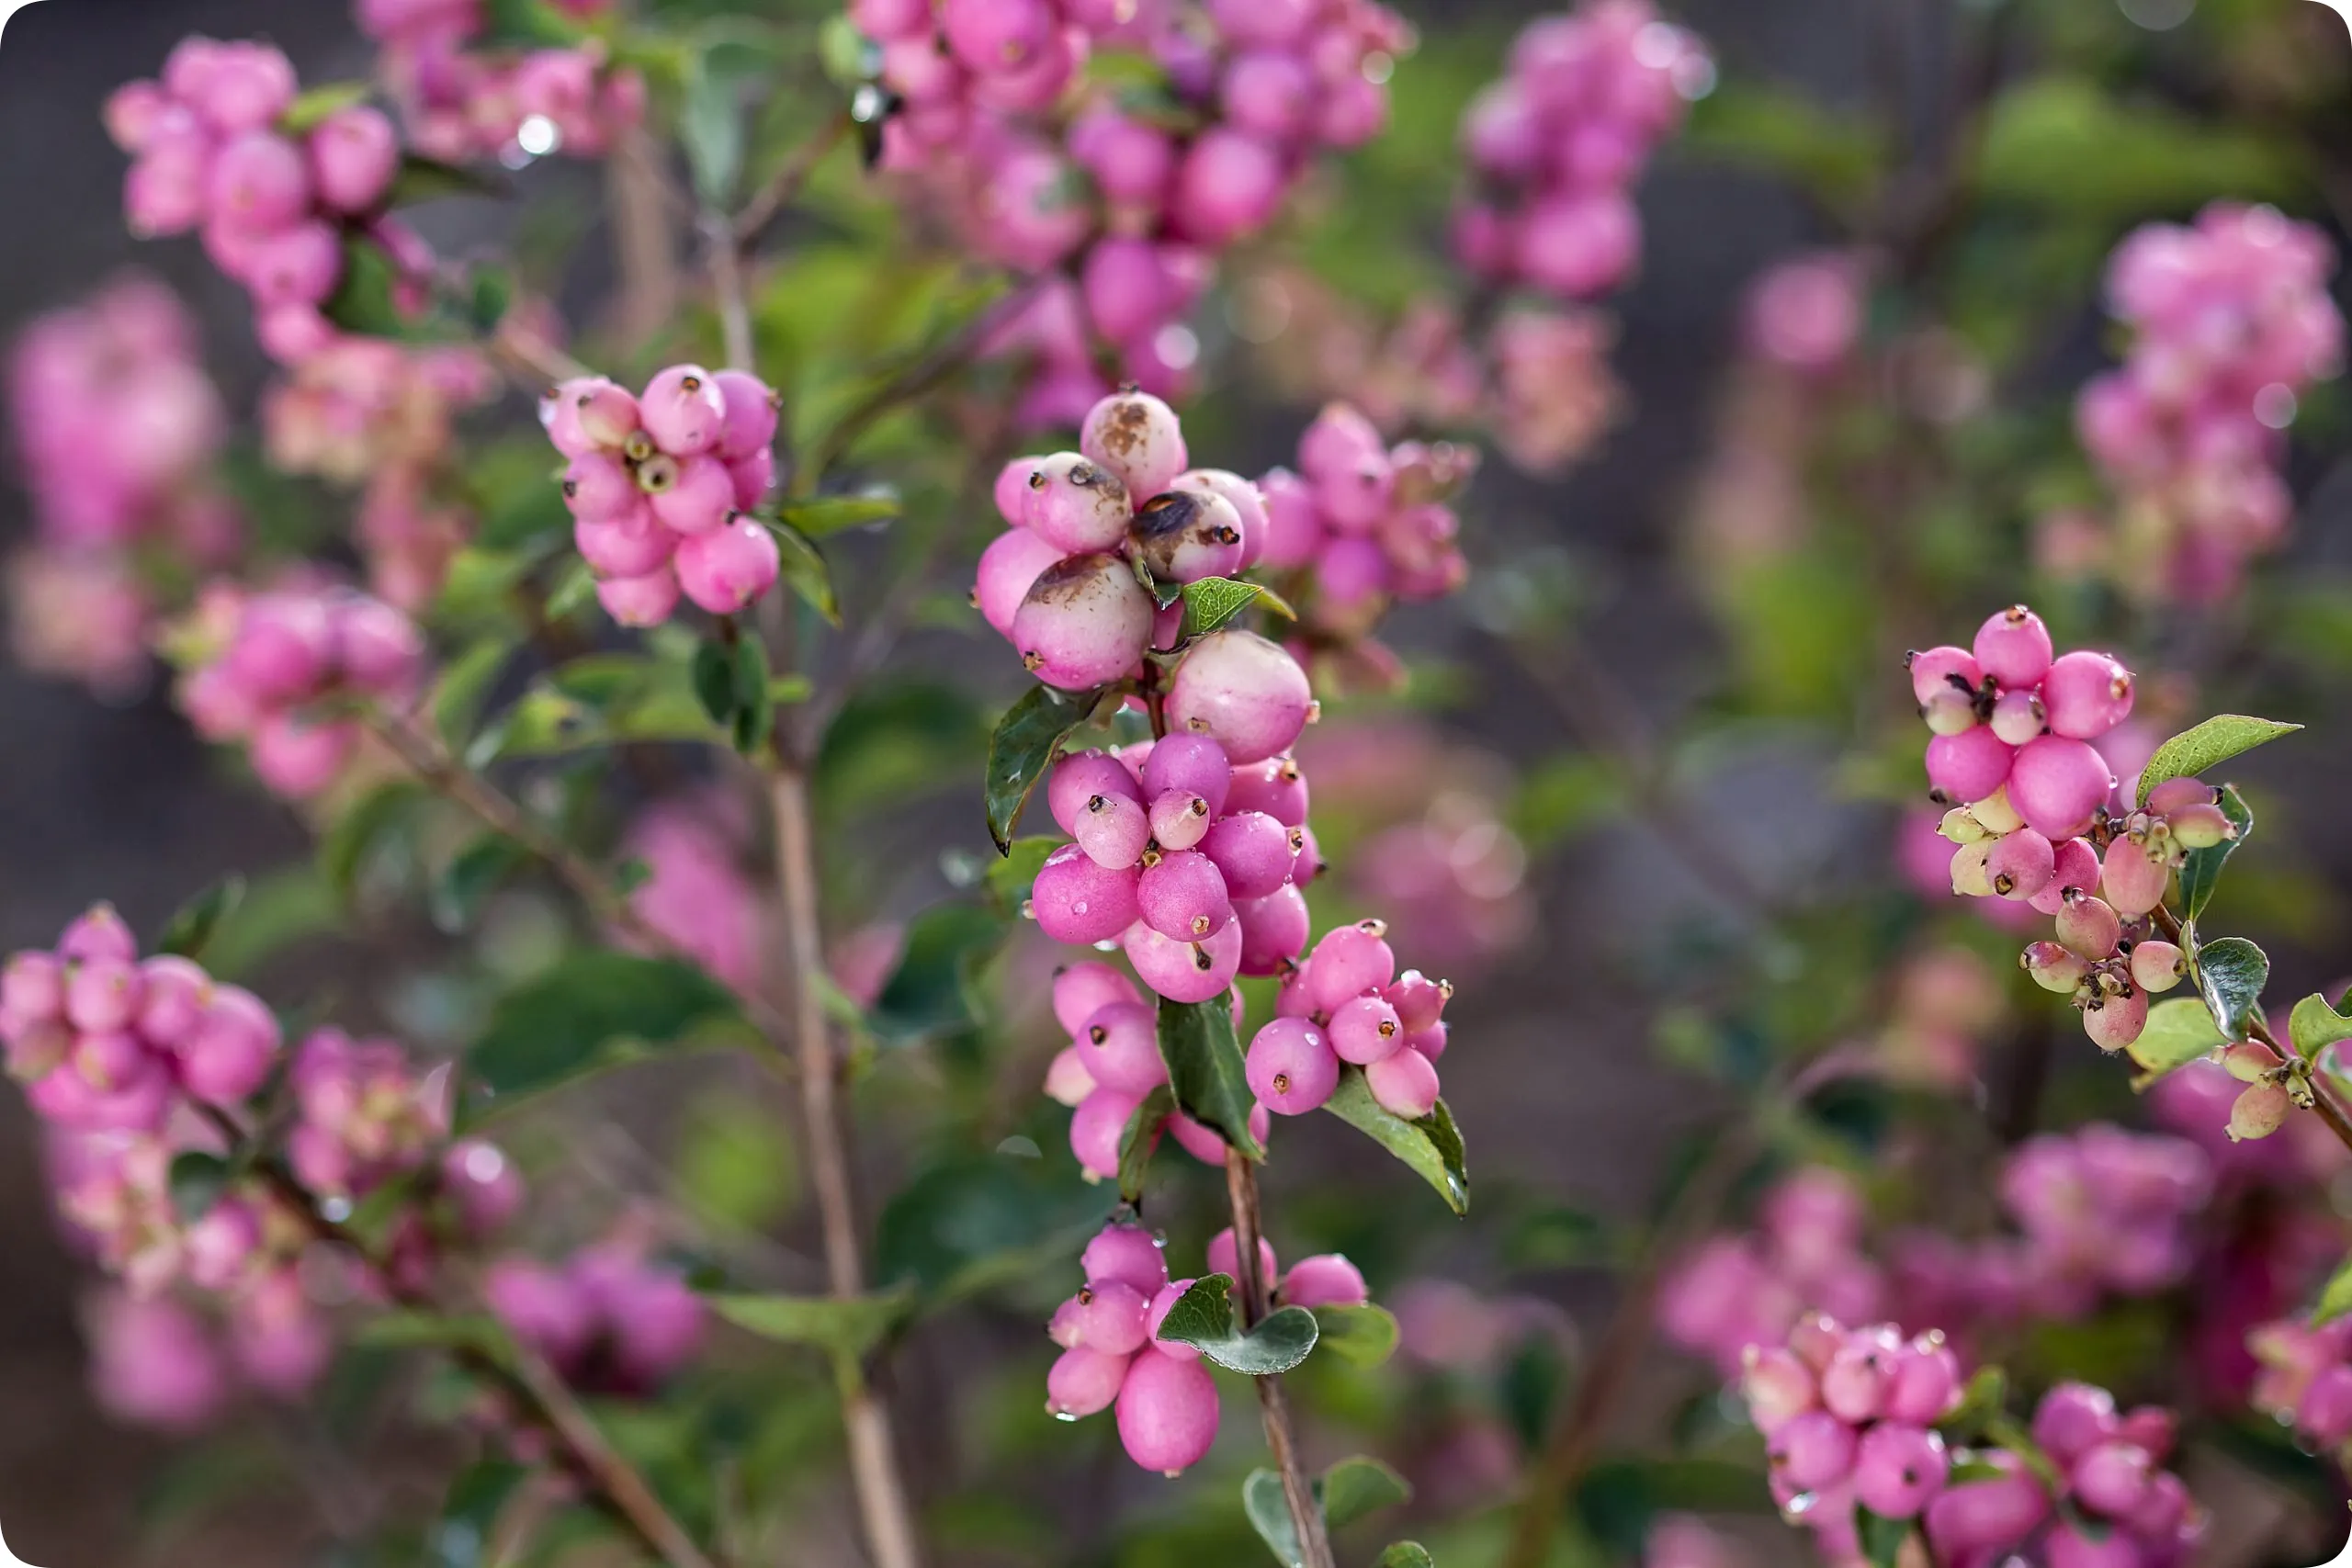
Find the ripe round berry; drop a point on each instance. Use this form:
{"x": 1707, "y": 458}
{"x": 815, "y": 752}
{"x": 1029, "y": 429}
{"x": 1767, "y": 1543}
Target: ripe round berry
{"x": 645, "y": 600}
{"x": 1082, "y": 1381}
{"x": 260, "y": 183}
{"x": 1184, "y": 536}
{"x": 1364, "y": 1029}
{"x": 751, "y": 415}
{"x": 1811, "y": 1450}
{"x": 598, "y": 488}
{"x": 1405, "y": 1083}
{"x": 2020, "y": 866}
{"x": 1083, "y": 622}
{"x": 1969, "y": 765}
{"x": 1898, "y": 1468}
{"x": 2016, "y": 718}
{"x": 684, "y": 411}
{"x": 1120, "y": 1046}
{"x": 1247, "y": 502}
{"x": 2200, "y": 827}
{"x": 1128, "y": 1253}
{"x": 1083, "y": 989}
{"x": 1948, "y": 713}
{"x": 2174, "y": 794}
{"x": 1168, "y": 1296}
{"x": 2132, "y": 881}
{"x": 1184, "y": 971}
{"x": 2088, "y": 926}
{"x": 699, "y": 498}
{"x": 730, "y": 567}
{"x": 1241, "y": 691}
{"x": 102, "y": 995}
{"x": 1430, "y": 1042}
{"x": 1190, "y": 764}
{"x": 2057, "y": 783}
{"x": 1292, "y": 1068}
{"x": 1012, "y": 491}
{"x": 1939, "y": 671}
{"x": 2053, "y": 966}
{"x": 1113, "y": 830}
{"x": 2117, "y": 1020}
{"x": 1420, "y": 1001}
{"x": 173, "y": 996}
{"x": 1183, "y": 896}
{"x": 1066, "y": 1080}
{"x": 1206, "y": 1144}
{"x": 1253, "y": 850}
{"x": 1076, "y": 504}
{"x": 1079, "y": 902}
{"x": 1167, "y": 1413}
{"x": 232, "y": 1049}
{"x": 1110, "y": 1316}
{"x": 1348, "y": 961}
{"x": 2013, "y": 647}
{"x": 1927, "y": 1381}
{"x": 32, "y": 990}
{"x": 2157, "y": 966}
{"x": 1180, "y": 821}
{"x": 1080, "y": 776}
{"x": 1276, "y": 786}
{"x": 2075, "y": 865}
{"x": 1325, "y": 1279}
{"x": 1096, "y": 1128}
{"x": 1225, "y": 1257}
{"x": 1854, "y": 1384}
{"x": 2112, "y": 1479}
{"x": 630, "y": 545}
{"x": 1776, "y": 1386}
{"x": 1137, "y": 437}
{"x": 1274, "y": 930}
{"x": 2085, "y": 695}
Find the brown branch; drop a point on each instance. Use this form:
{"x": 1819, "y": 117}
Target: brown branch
{"x": 1256, "y": 1293}
{"x": 785, "y": 186}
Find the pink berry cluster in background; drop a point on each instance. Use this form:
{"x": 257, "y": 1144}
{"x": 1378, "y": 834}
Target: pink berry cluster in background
{"x": 1556, "y": 144}
{"x": 276, "y": 671}
{"x": 117, "y": 425}
{"x": 2115, "y": 1502}
{"x": 2231, "y": 323}
{"x": 2305, "y": 1378}
{"x": 1364, "y": 525}
{"x": 661, "y": 486}
{"x": 462, "y": 100}
{"x": 610, "y": 1318}
{"x": 1050, "y": 172}
{"x": 1735, "y": 1292}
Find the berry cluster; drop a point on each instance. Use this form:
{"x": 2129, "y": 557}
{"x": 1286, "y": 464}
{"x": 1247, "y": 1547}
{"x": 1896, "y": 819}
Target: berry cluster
{"x": 1347, "y": 1003}
{"x": 365, "y": 1116}
{"x": 609, "y": 1318}
{"x": 1806, "y": 314}
{"x": 273, "y": 204}
{"x": 107, "y": 1043}
{"x": 163, "y": 1361}
{"x": 2305, "y": 1378}
{"x": 1735, "y": 1292}
{"x": 2103, "y": 1211}
{"x": 1112, "y": 1063}
{"x": 1555, "y": 144}
{"x": 1849, "y": 1417}
{"x": 2231, "y": 323}
{"x": 462, "y": 102}
{"x": 2029, "y": 803}
{"x": 1365, "y": 523}
{"x": 116, "y": 424}
{"x": 266, "y": 667}
{"x": 1253, "y": 93}
{"x": 1947, "y": 1001}
{"x": 661, "y": 486}
{"x": 2116, "y": 1502}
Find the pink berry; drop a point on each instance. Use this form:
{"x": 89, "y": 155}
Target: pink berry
{"x": 2112, "y": 1478}
{"x": 1096, "y": 1128}
{"x": 1080, "y": 776}
{"x": 174, "y": 995}
{"x": 1167, "y": 1297}
{"x": 699, "y": 498}
{"x": 730, "y": 567}
{"x": 2016, "y": 718}
{"x": 1079, "y": 902}
{"x": 1184, "y": 536}
{"x": 1007, "y": 568}
{"x": 1325, "y": 1279}
{"x": 1252, "y": 850}
{"x": 1012, "y": 492}
{"x": 1292, "y": 1068}
{"x": 1273, "y": 931}
{"x": 1811, "y": 1450}
{"x": 1978, "y": 1516}
{"x": 1112, "y": 829}
{"x": 1248, "y": 507}
{"x": 2057, "y": 784}
{"x": 1084, "y": 623}
{"x": 1969, "y": 765}
{"x": 2074, "y": 864}
{"x": 2117, "y": 1020}
{"x": 1184, "y": 971}
{"x": 2013, "y": 647}
{"x": 1206, "y": 1144}
{"x": 1076, "y": 504}
{"x": 1898, "y": 1468}
{"x": 1191, "y": 765}
{"x": 1120, "y": 1046}
{"x": 1944, "y": 670}
{"x": 647, "y": 600}
{"x": 598, "y": 487}
{"x": 1083, "y": 1382}
{"x": 1405, "y": 1083}
{"x": 1182, "y": 894}
{"x": 1776, "y": 1386}
{"x": 1420, "y": 1001}
{"x": 2089, "y": 927}
{"x": 102, "y": 995}
{"x": 2054, "y": 967}
{"x": 1364, "y": 1029}
{"x": 1241, "y": 691}
{"x": 1854, "y": 1384}
{"x": 630, "y": 545}
{"x": 231, "y": 1051}
{"x": 1180, "y": 821}
{"x": 32, "y": 990}
{"x": 242, "y": 86}
{"x": 297, "y": 759}
{"x": 1167, "y": 1413}
{"x": 1110, "y": 1316}
{"x": 684, "y": 411}
{"x": 1276, "y": 786}
{"x": 483, "y": 1185}
{"x": 1066, "y": 1080}
{"x": 1128, "y": 1254}
{"x": 354, "y": 152}
{"x": 1349, "y": 962}
{"x": 1225, "y": 1257}
{"x": 2021, "y": 865}
{"x": 2132, "y": 881}
{"x": 748, "y": 428}
{"x": 1084, "y": 989}
{"x": 2175, "y": 795}
{"x": 2085, "y": 695}
{"x": 1135, "y": 436}
{"x": 260, "y": 183}
{"x": 2157, "y": 966}
{"x": 97, "y": 932}
{"x": 2200, "y": 827}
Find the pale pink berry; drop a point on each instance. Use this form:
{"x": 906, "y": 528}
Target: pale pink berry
{"x": 749, "y": 425}
{"x": 1241, "y": 691}
{"x": 1224, "y": 1257}
{"x": 1184, "y": 971}
{"x": 1137, "y": 437}
{"x": 647, "y": 600}
{"x": 1420, "y": 1001}
{"x": 2112, "y": 1479}
{"x": 1112, "y": 829}
{"x": 2053, "y": 966}
{"x": 1084, "y": 989}
{"x": 599, "y": 488}
{"x": 1182, "y": 894}
{"x": 354, "y": 152}
{"x": 1811, "y": 1451}
{"x": 2175, "y": 795}
{"x": 1292, "y": 1068}
{"x": 2013, "y": 647}
{"x": 1120, "y": 1048}
{"x": 97, "y": 932}
{"x": 483, "y": 1185}
{"x": 2076, "y": 867}
{"x": 1207, "y": 1144}
{"x": 730, "y": 567}
{"x": 1977, "y": 1517}
{"x": 1969, "y": 765}
{"x": 1079, "y": 778}
{"x": 2089, "y": 926}
{"x": 2071, "y": 1419}
{"x": 2114, "y": 1021}
{"x": 102, "y": 995}
{"x": 2085, "y": 695}
{"x": 1126, "y": 1253}
{"x": 1083, "y": 622}
{"x": 1096, "y": 1128}
{"x": 1248, "y": 508}
{"x": 1276, "y": 786}
{"x": 1167, "y": 1413}
{"x": 1083, "y": 1382}
{"x": 1273, "y": 931}
{"x": 1166, "y": 1298}
{"x": 1110, "y": 1316}
{"x": 260, "y": 183}
{"x": 2021, "y": 865}
{"x": 683, "y": 410}
{"x": 603, "y": 413}
{"x": 299, "y": 267}
{"x": 1325, "y": 1279}
{"x": 1076, "y": 504}
{"x": 233, "y": 1048}
{"x": 2259, "y": 1111}
{"x": 699, "y": 496}
{"x": 1898, "y": 1468}
{"x": 2200, "y": 827}
{"x": 1405, "y": 1083}
{"x": 1948, "y": 713}
{"x": 2017, "y": 716}
{"x": 1013, "y": 490}
{"x": 1190, "y": 764}
{"x": 1007, "y": 568}
{"x": 1855, "y": 1384}
{"x": 1079, "y": 902}
{"x": 2057, "y": 783}
{"x": 1184, "y": 536}
{"x": 2157, "y": 966}
{"x": 1349, "y": 962}
{"x": 240, "y": 86}
{"x": 630, "y": 545}
{"x": 1776, "y": 1386}
{"x": 32, "y": 990}
{"x": 1252, "y": 850}
{"x": 297, "y": 759}
{"x": 1067, "y": 1080}
{"x": 1365, "y": 1029}
{"x": 2132, "y": 881}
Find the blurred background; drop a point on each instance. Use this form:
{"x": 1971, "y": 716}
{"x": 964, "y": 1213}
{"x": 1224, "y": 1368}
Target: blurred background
{"x": 1609, "y": 685}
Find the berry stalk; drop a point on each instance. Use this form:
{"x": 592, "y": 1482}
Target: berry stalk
{"x": 1306, "y": 1514}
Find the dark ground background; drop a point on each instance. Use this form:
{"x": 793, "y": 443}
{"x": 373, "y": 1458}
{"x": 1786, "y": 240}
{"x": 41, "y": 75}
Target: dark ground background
{"x": 122, "y": 803}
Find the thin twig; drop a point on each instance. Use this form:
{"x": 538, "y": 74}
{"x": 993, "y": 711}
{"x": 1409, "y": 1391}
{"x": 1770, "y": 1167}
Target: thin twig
{"x": 785, "y": 186}
{"x": 726, "y": 255}
{"x": 1305, "y": 1513}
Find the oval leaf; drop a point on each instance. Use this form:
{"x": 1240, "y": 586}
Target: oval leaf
{"x": 1027, "y": 741}
{"x": 1364, "y": 1335}
{"x": 1206, "y": 1070}
{"x": 192, "y": 927}
{"x": 849, "y": 1325}
{"x": 592, "y": 1011}
{"x": 2201, "y": 873}
{"x": 2335, "y": 1299}
{"x": 2231, "y": 973}
{"x": 1203, "y": 1317}
{"x": 806, "y": 569}
{"x": 2179, "y": 1032}
{"x": 1405, "y": 1554}
{"x": 197, "y": 1182}
{"x": 1349, "y": 1491}
{"x": 1142, "y": 1135}
{"x": 1212, "y": 602}
{"x": 2213, "y": 742}
{"x": 832, "y": 514}
{"x": 2315, "y": 1026}
{"x": 1881, "y": 1539}
{"x": 1432, "y": 1146}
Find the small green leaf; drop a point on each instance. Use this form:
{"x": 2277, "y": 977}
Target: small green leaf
{"x": 1212, "y": 602}
{"x": 194, "y": 925}
{"x": 754, "y": 708}
{"x": 2201, "y": 874}
{"x": 422, "y": 179}
{"x": 931, "y": 993}
{"x": 461, "y": 1537}
{"x": 1881, "y": 1539}
{"x": 492, "y": 296}
{"x": 1363, "y": 1335}
{"x": 1981, "y": 1401}
{"x": 2209, "y": 745}
{"x": 464, "y": 687}
{"x": 1968, "y": 1469}
{"x": 197, "y": 1181}
{"x": 710, "y": 126}
{"x": 317, "y": 103}
{"x": 848, "y": 1326}
{"x": 2179, "y": 1032}
{"x": 362, "y": 301}
{"x": 1263, "y": 1500}
{"x": 2314, "y": 1025}
{"x": 477, "y": 1334}
{"x": 2335, "y": 1297}
{"x": 849, "y": 57}
{"x": 1358, "y": 1487}
{"x": 805, "y": 569}
{"x": 1405, "y": 1554}
{"x": 2231, "y": 973}
{"x": 1203, "y": 1317}
{"x": 1142, "y": 1134}
{"x": 832, "y": 513}
{"x": 1028, "y": 738}
{"x": 344, "y": 848}
{"x": 1432, "y": 1146}
{"x": 1010, "y": 878}
{"x": 477, "y": 872}
{"x": 1205, "y": 1069}
{"x": 594, "y": 1010}
{"x": 526, "y": 22}
{"x": 714, "y": 681}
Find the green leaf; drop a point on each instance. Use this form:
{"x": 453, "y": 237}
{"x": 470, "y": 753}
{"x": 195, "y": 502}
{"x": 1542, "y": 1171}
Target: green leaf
{"x": 2070, "y": 147}
{"x": 197, "y": 1182}
{"x": 192, "y": 925}
{"x": 1363, "y": 1335}
{"x": 1349, "y": 1491}
{"x": 1206, "y": 1070}
{"x": 2314, "y": 1025}
{"x": 1203, "y": 1318}
{"x": 490, "y": 297}
{"x": 832, "y": 513}
{"x": 422, "y": 179}
{"x": 1967, "y": 1470}
{"x": 464, "y": 687}
{"x": 1140, "y": 1137}
{"x": 2201, "y": 874}
{"x": 2335, "y": 1297}
{"x": 714, "y": 681}
{"x": 477, "y": 872}
{"x": 1268, "y": 1507}
{"x": 477, "y": 1334}
{"x": 849, "y": 57}
{"x": 805, "y": 569}
{"x": 754, "y": 705}
{"x": 1432, "y": 1146}
{"x": 1212, "y": 602}
{"x": 462, "y": 1535}
{"x": 2231, "y": 973}
{"x": 594, "y": 1010}
{"x": 1836, "y": 155}
{"x": 1028, "y": 738}
{"x": 362, "y": 301}
{"x": 1983, "y": 1398}
{"x": 972, "y": 1222}
{"x": 1882, "y": 1538}
{"x": 711, "y": 125}
{"x": 847, "y": 1326}
{"x": 1010, "y": 878}
{"x": 1406, "y": 1554}
{"x": 317, "y": 103}
{"x": 931, "y": 993}
{"x": 524, "y": 22}
{"x": 344, "y": 848}
{"x": 2179, "y": 1031}
{"x": 2213, "y": 742}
